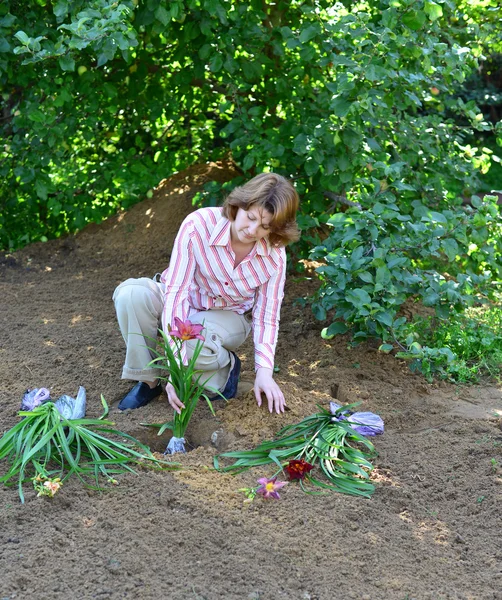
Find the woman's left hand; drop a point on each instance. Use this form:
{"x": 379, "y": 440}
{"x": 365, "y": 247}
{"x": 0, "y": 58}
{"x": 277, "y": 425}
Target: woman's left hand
{"x": 264, "y": 383}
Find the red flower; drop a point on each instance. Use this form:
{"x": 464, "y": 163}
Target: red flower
{"x": 297, "y": 469}
{"x": 186, "y": 330}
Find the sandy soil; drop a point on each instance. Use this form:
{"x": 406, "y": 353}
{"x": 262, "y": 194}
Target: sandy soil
{"x": 432, "y": 529}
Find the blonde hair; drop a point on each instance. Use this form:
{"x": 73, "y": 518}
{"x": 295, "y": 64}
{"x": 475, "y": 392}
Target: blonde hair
{"x": 272, "y": 193}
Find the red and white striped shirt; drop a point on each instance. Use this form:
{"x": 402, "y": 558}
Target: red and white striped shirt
{"x": 201, "y": 276}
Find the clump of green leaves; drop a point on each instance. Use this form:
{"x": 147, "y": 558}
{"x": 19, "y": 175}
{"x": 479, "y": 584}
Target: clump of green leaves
{"x": 318, "y": 439}
{"x": 376, "y": 258}
{"x": 102, "y": 99}
{"x": 46, "y": 445}
{"x": 188, "y": 382}
{"x": 462, "y": 349}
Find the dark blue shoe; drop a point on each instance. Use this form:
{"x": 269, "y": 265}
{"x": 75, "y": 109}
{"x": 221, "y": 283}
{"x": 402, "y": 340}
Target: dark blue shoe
{"x": 233, "y": 379}
{"x": 140, "y": 395}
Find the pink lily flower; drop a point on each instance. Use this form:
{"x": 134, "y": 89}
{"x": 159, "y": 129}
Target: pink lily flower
{"x": 52, "y": 486}
{"x": 186, "y": 330}
{"x": 268, "y": 487}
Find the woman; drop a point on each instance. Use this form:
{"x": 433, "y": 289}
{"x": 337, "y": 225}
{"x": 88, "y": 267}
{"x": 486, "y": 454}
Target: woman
{"x": 227, "y": 271}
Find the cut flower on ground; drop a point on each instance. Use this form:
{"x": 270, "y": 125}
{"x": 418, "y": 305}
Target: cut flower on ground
{"x": 269, "y": 488}
{"x": 342, "y": 454}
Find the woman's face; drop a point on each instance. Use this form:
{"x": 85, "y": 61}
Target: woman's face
{"x": 251, "y": 225}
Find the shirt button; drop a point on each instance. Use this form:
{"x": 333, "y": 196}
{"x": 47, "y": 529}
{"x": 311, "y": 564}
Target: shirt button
{"x": 226, "y": 282}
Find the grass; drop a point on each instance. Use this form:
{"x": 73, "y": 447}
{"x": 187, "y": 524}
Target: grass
{"x": 474, "y": 338}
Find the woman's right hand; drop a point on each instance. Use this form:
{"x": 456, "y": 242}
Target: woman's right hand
{"x": 173, "y": 399}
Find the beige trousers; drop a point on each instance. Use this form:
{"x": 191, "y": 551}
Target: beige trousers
{"x": 139, "y": 304}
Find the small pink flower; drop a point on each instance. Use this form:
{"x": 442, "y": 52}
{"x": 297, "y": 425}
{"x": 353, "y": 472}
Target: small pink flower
{"x": 186, "y": 330}
{"x": 51, "y": 487}
{"x": 268, "y": 487}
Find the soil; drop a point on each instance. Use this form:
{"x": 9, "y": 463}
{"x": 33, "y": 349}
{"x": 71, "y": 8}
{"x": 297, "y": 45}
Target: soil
{"x": 431, "y": 530}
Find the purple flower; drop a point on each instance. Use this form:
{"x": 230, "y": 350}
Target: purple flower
{"x": 186, "y": 330}
{"x": 268, "y": 487}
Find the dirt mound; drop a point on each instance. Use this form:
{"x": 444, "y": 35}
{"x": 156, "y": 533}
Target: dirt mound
{"x": 432, "y": 529}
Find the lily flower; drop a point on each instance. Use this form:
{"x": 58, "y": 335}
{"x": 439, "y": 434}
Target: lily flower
{"x": 298, "y": 469}
{"x": 52, "y": 486}
{"x": 186, "y": 330}
{"x": 268, "y": 487}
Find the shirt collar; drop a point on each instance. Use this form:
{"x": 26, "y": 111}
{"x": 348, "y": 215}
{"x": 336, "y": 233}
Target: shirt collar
{"x": 221, "y": 237}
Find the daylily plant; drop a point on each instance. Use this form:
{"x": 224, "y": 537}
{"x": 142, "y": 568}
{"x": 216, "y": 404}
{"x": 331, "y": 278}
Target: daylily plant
{"x": 185, "y": 379}
{"x": 47, "y": 448}
{"x": 323, "y": 439}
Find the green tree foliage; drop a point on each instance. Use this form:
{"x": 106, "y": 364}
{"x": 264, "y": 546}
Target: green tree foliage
{"x": 356, "y": 101}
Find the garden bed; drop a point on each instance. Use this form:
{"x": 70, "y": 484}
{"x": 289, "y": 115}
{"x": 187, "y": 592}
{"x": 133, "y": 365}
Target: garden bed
{"x": 431, "y": 529}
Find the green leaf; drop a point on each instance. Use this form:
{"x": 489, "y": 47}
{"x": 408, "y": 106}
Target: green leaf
{"x": 162, "y": 15}
{"x": 352, "y": 138}
{"x": 433, "y": 10}
{"x": 390, "y": 18}
{"x": 311, "y": 167}
{"x": 216, "y": 63}
{"x": 164, "y": 426}
{"x": 450, "y": 247}
{"x": 308, "y": 33}
{"x": 373, "y": 144}
{"x": 67, "y": 63}
{"x": 300, "y": 144}
{"x": 435, "y": 217}
{"x": 338, "y": 59}
{"x": 430, "y": 298}
{"x": 383, "y": 276}
{"x": 7, "y": 20}
{"x": 102, "y": 59}
{"x": 41, "y": 189}
{"x": 385, "y": 317}
{"x": 22, "y": 37}
{"x": 399, "y": 322}
{"x": 336, "y": 328}
{"x": 358, "y": 297}
{"x": 36, "y": 116}
{"x": 319, "y": 312}
{"x": 386, "y": 348}
{"x": 248, "y": 162}
{"x": 366, "y": 277}
{"x": 205, "y": 51}
{"x": 61, "y": 9}
{"x": 414, "y": 19}
{"x": 376, "y": 73}
{"x": 340, "y": 106}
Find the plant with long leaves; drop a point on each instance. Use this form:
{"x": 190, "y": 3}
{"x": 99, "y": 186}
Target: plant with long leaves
{"x": 45, "y": 445}
{"x": 318, "y": 439}
{"x": 185, "y": 378}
